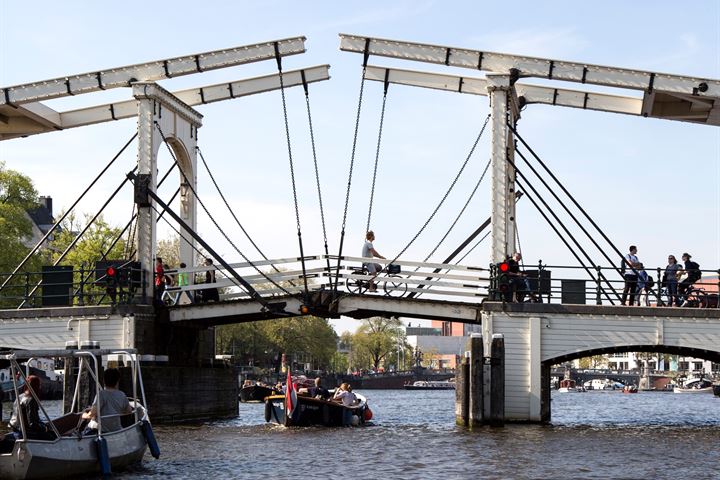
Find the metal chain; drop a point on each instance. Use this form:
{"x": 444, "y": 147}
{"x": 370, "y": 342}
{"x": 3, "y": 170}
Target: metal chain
{"x": 377, "y": 157}
{"x": 317, "y": 179}
{"x": 292, "y": 168}
{"x": 350, "y": 174}
{"x": 452, "y": 226}
{"x": 222, "y": 232}
{"x": 452, "y": 185}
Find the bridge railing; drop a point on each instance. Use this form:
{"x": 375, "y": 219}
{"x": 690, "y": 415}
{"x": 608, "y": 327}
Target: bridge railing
{"x": 66, "y": 286}
{"x": 604, "y": 286}
{"x": 275, "y": 277}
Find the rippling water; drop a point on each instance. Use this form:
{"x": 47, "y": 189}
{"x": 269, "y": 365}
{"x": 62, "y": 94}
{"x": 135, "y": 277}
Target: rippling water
{"x": 592, "y": 435}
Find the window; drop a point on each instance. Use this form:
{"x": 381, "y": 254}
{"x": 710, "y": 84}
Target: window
{"x": 715, "y": 367}
{"x": 683, "y": 365}
{"x": 698, "y": 366}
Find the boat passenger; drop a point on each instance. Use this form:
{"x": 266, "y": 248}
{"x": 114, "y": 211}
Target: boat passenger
{"x": 113, "y": 403}
{"x": 318, "y": 391}
{"x": 345, "y": 395}
{"x": 34, "y": 427}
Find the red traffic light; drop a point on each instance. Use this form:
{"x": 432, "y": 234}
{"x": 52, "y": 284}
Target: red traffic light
{"x": 110, "y": 271}
{"x": 503, "y": 267}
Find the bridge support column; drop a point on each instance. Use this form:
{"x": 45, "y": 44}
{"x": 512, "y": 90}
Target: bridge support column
{"x": 476, "y": 383}
{"x": 496, "y": 417}
{"x": 162, "y": 117}
{"x": 503, "y": 109}
{"x": 462, "y": 393}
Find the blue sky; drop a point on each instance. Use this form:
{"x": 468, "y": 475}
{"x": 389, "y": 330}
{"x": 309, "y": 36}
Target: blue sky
{"x": 650, "y": 182}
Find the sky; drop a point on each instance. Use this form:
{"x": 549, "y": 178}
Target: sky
{"x": 648, "y": 182}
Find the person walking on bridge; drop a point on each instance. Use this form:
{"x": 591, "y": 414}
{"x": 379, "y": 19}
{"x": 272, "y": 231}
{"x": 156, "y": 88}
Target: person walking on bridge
{"x": 369, "y": 251}
{"x": 693, "y": 275}
{"x": 159, "y": 280}
{"x": 630, "y": 275}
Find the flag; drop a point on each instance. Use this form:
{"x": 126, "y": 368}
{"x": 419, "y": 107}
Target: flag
{"x": 290, "y": 396}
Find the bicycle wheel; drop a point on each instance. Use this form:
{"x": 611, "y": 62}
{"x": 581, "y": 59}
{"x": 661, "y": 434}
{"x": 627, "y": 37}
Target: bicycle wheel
{"x": 695, "y": 298}
{"x": 395, "y": 286}
{"x": 356, "y": 286}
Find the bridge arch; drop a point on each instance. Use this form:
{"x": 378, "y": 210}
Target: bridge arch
{"x": 165, "y": 119}
{"x": 683, "y": 351}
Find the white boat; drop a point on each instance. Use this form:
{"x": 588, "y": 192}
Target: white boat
{"x": 569, "y": 386}
{"x": 71, "y": 453}
{"x": 430, "y": 385}
{"x": 695, "y": 385}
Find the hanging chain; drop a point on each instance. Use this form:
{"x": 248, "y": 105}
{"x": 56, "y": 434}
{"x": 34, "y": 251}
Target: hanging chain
{"x": 452, "y": 226}
{"x": 222, "y": 232}
{"x": 317, "y": 174}
{"x": 292, "y": 168}
{"x": 377, "y": 157}
{"x": 352, "y": 163}
{"x": 452, "y": 185}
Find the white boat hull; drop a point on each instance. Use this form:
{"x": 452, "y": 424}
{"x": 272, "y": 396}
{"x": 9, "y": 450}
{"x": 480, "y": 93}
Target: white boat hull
{"x": 693, "y": 390}
{"x": 69, "y": 456}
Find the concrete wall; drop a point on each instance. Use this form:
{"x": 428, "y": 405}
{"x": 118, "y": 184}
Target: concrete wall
{"x": 181, "y": 394}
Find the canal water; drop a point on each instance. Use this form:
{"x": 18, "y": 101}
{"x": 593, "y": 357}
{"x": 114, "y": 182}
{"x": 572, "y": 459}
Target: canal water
{"x": 598, "y": 434}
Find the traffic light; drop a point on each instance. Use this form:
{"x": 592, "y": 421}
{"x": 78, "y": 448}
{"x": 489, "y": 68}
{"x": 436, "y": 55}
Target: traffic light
{"x": 111, "y": 282}
{"x": 503, "y": 279}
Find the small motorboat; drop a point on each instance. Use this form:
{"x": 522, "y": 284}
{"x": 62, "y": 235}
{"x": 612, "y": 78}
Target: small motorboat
{"x": 695, "y": 385}
{"x": 430, "y": 385}
{"x": 315, "y": 411}
{"x": 630, "y": 389}
{"x": 569, "y": 386}
{"x": 69, "y": 451}
{"x": 256, "y": 392}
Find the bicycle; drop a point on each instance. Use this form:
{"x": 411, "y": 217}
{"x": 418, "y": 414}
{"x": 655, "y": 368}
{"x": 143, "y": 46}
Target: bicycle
{"x": 393, "y": 287}
{"x": 696, "y": 297}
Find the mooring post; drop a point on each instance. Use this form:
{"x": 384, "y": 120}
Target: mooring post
{"x": 476, "y": 380}
{"x": 462, "y": 392}
{"x": 497, "y": 381}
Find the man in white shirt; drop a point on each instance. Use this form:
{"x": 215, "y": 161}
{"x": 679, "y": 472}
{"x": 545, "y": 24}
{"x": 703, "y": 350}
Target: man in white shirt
{"x": 630, "y": 274}
{"x": 369, "y": 251}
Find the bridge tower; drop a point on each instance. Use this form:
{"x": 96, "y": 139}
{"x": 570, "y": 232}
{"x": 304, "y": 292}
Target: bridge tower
{"x": 164, "y": 118}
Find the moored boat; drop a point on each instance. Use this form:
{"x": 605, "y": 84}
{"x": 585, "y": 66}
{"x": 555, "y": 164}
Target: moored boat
{"x": 68, "y": 449}
{"x": 716, "y": 390}
{"x": 256, "y": 392}
{"x": 569, "y": 386}
{"x": 630, "y": 389}
{"x": 315, "y": 411}
{"x": 695, "y": 385}
{"x": 430, "y": 385}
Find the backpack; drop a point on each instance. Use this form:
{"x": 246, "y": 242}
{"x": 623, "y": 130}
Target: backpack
{"x": 650, "y": 283}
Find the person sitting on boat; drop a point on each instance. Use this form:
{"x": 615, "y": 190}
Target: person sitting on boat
{"x": 27, "y": 411}
{"x": 318, "y": 391}
{"x": 112, "y": 401}
{"x": 345, "y": 395}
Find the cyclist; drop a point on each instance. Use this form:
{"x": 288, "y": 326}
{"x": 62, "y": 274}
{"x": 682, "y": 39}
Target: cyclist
{"x": 369, "y": 251}
{"x": 693, "y": 275}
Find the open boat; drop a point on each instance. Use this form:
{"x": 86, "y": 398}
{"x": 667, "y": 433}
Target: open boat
{"x": 430, "y": 385}
{"x": 71, "y": 452}
{"x": 314, "y": 411}
{"x": 256, "y": 393}
{"x": 695, "y": 385}
{"x": 567, "y": 386}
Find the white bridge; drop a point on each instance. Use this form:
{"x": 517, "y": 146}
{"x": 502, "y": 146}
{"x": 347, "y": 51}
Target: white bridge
{"x": 535, "y": 335}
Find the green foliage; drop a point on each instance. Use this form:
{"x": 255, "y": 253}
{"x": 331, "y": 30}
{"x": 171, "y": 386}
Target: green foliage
{"x": 375, "y": 340}
{"x": 17, "y": 195}
{"x": 90, "y": 247}
{"x": 308, "y": 339}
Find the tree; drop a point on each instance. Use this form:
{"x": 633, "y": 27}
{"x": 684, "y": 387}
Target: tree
{"x": 17, "y": 195}
{"x": 169, "y": 250}
{"x": 377, "y": 337}
{"x": 90, "y": 248}
{"x": 307, "y": 339}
